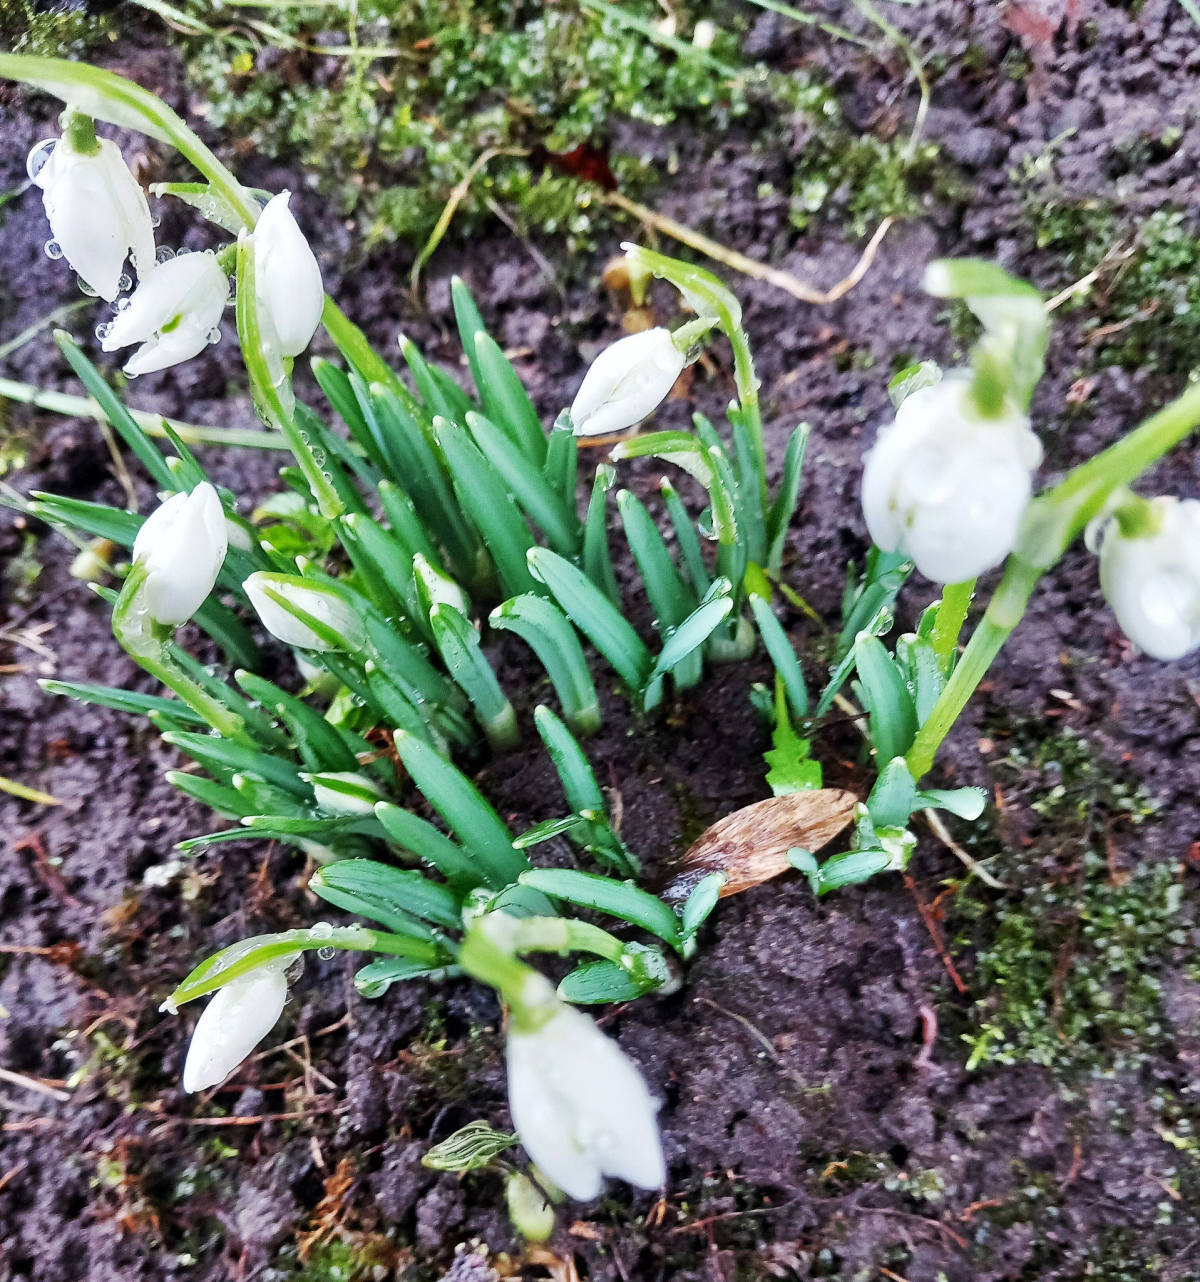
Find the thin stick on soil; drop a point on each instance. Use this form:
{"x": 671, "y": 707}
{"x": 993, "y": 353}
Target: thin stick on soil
{"x": 761, "y": 1039}
{"x": 936, "y": 935}
{"x": 940, "y": 830}
{"x": 43, "y": 1086}
{"x": 750, "y": 266}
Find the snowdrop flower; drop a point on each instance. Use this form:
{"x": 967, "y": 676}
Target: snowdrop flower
{"x": 578, "y": 1103}
{"x": 946, "y": 487}
{"x": 97, "y": 210}
{"x": 627, "y": 382}
{"x": 1152, "y": 581}
{"x": 286, "y": 276}
{"x": 345, "y": 792}
{"x": 233, "y": 1023}
{"x": 439, "y": 587}
{"x": 174, "y": 313}
{"x": 326, "y": 606}
{"x": 182, "y": 547}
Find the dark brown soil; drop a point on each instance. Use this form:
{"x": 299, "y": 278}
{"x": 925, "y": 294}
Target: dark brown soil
{"x": 808, "y": 1131}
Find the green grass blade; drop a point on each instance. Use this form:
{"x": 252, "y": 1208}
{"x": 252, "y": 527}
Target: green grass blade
{"x": 783, "y": 654}
{"x": 318, "y": 743}
{"x": 784, "y": 507}
{"x": 689, "y": 542}
{"x": 458, "y": 644}
{"x": 402, "y": 891}
{"x": 131, "y": 701}
{"x": 607, "y": 895}
{"x": 573, "y": 767}
{"x": 232, "y": 756}
{"x": 691, "y": 634}
{"x": 433, "y": 847}
{"x": 893, "y": 715}
{"x": 506, "y": 402}
{"x": 597, "y": 560}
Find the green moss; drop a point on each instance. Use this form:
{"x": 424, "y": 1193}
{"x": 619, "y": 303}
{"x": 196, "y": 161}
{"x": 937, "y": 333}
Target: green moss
{"x": 57, "y": 30}
{"x": 1068, "y": 966}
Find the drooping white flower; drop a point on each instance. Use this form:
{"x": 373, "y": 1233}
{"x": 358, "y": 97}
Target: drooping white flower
{"x": 233, "y": 1023}
{"x": 287, "y": 277}
{"x": 947, "y": 487}
{"x": 182, "y": 546}
{"x": 1152, "y": 582}
{"x": 174, "y": 313}
{"x": 345, "y": 792}
{"x": 627, "y": 382}
{"x": 98, "y": 212}
{"x": 326, "y": 606}
{"x": 578, "y": 1103}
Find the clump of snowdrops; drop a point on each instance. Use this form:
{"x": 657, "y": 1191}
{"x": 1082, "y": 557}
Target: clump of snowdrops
{"x": 374, "y": 565}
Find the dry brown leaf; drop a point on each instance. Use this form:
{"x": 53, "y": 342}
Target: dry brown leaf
{"x": 750, "y": 846}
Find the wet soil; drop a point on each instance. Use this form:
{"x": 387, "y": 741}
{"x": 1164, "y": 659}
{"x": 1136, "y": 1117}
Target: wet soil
{"x": 819, "y": 1116}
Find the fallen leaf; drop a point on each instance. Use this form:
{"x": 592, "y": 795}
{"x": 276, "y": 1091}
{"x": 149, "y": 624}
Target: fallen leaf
{"x": 750, "y": 846}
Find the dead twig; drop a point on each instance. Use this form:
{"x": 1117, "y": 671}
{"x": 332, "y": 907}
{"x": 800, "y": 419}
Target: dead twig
{"x": 935, "y": 934}
{"x": 929, "y": 1032}
{"x": 750, "y": 266}
{"x": 761, "y": 1039}
{"x": 934, "y": 820}
{"x": 43, "y": 1085}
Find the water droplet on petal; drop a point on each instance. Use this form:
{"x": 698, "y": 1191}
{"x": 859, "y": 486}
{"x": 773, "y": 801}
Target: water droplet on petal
{"x": 102, "y": 331}
{"x": 125, "y": 283}
{"x": 164, "y": 254}
{"x": 121, "y": 304}
{"x": 85, "y": 288}
{"x": 155, "y": 221}
{"x": 183, "y": 249}
{"x": 38, "y": 156}
{"x": 326, "y": 954}
{"x": 214, "y": 335}
{"x": 54, "y": 250}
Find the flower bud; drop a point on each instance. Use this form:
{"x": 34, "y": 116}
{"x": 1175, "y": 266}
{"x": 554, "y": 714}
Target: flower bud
{"x": 233, "y": 1023}
{"x": 1152, "y": 581}
{"x": 578, "y": 1103}
{"x": 627, "y": 382}
{"x": 327, "y": 607}
{"x": 946, "y": 487}
{"x": 174, "y": 313}
{"x": 286, "y": 276}
{"x": 438, "y": 588}
{"x": 98, "y": 213}
{"x": 182, "y": 547}
{"x": 345, "y": 792}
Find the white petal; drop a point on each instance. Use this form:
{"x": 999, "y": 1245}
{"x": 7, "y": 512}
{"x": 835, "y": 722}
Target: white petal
{"x": 190, "y": 290}
{"x": 287, "y": 276}
{"x": 182, "y": 546}
{"x": 322, "y": 605}
{"x": 627, "y": 382}
{"x": 233, "y": 1023}
{"x": 86, "y": 215}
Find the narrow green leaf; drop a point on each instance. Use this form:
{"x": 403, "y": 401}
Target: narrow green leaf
{"x": 851, "y": 869}
{"x": 784, "y": 507}
{"x": 595, "y": 616}
{"x": 597, "y": 561}
{"x": 374, "y": 979}
{"x": 966, "y": 803}
{"x": 547, "y": 830}
{"x": 470, "y": 323}
{"x": 562, "y": 467}
{"x": 689, "y": 544}
{"x": 547, "y": 631}
{"x": 433, "y": 847}
{"x": 671, "y": 599}
{"x": 319, "y": 744}
{"x": 232, "y": 756}
{"x": 894, "y": 796}
{"x": 472, "y": 819}
{"x": 605, "y": 894}
{"x": 693, "y": 632}
{"x": 96, "y": 519}
{"x": 220, "y": 797}
{"x": 893, "y": 715}
{"x": 574, "y": 770}
{"x": 401, "y": 891}
{"x": 597, "y": 982}
{"x": 130, "y": 701}
{"x": 702, "y": 900}
{"x": 505, "y": 400}
{"x": 458, "y": 644}
{"x": 391, "y": 560}
{"x": 783, "y": 654}
{"x": 439, "y": 399}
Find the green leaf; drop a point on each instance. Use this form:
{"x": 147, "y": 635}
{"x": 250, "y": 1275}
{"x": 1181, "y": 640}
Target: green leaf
{"x": 440, "y": 400}
{"x": 851, "y": 868}
{"x": 784, "y": 507}
{"x": 96, "y": 519}
{"x": 597, "y": 561}
{"x": 548, "y": 830}
{"x": 472, "y": 820}
{"x": 530, "y": 488}
{"x": 506, "y": 402}
{"x": 702, "y": 900}
{"x": 474, "y": 1146}
{"x": 893, "y": 714}
{"x": 791, "y": 768}
{"x": 470, "y": 323}
{"x": 387, "y": 892}
{"x": 482, "y": 493}
{"x": 885, "y": 575}
{"x": 232, "y": 756}
{"x": 595, "y": 616}
{"x": 695, "y": 630}
{"x": 573, "y": 768}
{"x": 433, "y": 847}
{"x": 130, "y": 701}
{"x": 783, "y": 654}
{"x": 912, "y": 378}
{"x": 458, "y": 643}
{"x": 966, "y": 803}
{"x": 562, "y": 465}
{"x": 390, "y": 561}
{"x": 548, "y": 632}
{"x": 374, "y": 979}
{"x": 597, "y": 982}
{"x": 617, "y": 898}
{"x": 894, "y": 796}
{"x": 220, "y": 797}
{"x": 318, "y": 743}
{"x": 923, "y": 673}
{"x": 685, "y": 534}
{"x": 681, "y": 448}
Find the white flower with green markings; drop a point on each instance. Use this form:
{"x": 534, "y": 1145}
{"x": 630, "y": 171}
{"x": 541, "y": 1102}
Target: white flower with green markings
{"x": 345, "y": 792}
{"x": 287, "y": 277}
{"x": 327, "y": 608}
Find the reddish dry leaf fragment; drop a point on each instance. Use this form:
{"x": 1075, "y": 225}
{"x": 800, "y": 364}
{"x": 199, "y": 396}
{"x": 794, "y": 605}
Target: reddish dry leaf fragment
{"x": 750, "y": 846}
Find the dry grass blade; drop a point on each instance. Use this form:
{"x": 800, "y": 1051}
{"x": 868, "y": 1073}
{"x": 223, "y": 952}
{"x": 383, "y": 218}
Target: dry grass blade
{"x": 750, "y": 846}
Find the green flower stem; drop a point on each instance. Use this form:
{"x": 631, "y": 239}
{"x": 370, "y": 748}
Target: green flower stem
{"x": 1003, "y": 614}
{"x": 148, "y": 644}
{"x": 1137, "y": 517}
{"x": 353, "y": 343}
{"x": 487, "y": 953}
{"x": 951, "y": 615}
{"x": 561, "y": 935}
{"x": 80, "y": 132}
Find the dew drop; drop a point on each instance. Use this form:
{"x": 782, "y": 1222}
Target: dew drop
{"x": 183, "y": 249}
{"x": 326, "y": 954}
{"x": 102, "y": 330}
{"x": 155, "y": 221}
{"x": 328, "y": 476}
{"x": 85, "y": 288}
{"x": 122, "y": 304}
{"x": 125, "y": 283}
{"x": 54, "y": 250}
{"x": 164, "y": 254}
{"x": 320, "y": 930}
{"x": 36, "y": 160}
{"x": 214, "y": 335}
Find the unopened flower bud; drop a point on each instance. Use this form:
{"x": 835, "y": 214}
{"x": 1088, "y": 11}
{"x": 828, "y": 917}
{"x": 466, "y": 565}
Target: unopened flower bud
{"x": 627, "y": 382}
{"x": 345, "y": 792}
{"x": 946, "y": 487}
{"x": 233, "y": 1023}
{"x": 325, "y": 606}
{"x": 287, "y": 277}
{"x": 182, "y": 547}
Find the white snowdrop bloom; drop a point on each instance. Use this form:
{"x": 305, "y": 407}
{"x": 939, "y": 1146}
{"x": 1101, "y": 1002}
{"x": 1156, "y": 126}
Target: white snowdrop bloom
{"x": 946, "y": 487}
{"x": 286, "y": 276}
{"x": 627, "y": 382}
{"x": 345, "y": 792}
{"x": 326, "y": 606}
{"x": 98, "y": 212}
{"x": 233, "y": 1023}
{"x": 182, "y": 546}
{"x": 174, "y": 313}
{"x": 1152, "y": 582}
{"x": 578, "y": 1103}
